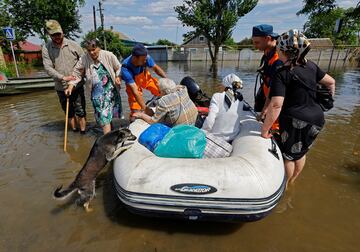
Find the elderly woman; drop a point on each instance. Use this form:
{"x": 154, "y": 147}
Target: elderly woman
{"x": 223, "y": 119}
{"x": 173, "y": 107}
{"x": 292, "y": 100}
{"x": 101, "y": 68}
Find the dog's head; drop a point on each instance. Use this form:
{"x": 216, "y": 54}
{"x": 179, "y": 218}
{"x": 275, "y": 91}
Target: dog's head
{"x": 117, "y": 141}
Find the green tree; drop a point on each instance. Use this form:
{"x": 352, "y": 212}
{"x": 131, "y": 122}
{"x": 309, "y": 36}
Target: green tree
{"x": 356, "y": 12}
{"x": 28, "y": 16}
{"x": 214, "y": 19}
{"x": 230, "y": 42}
{"x": 245, "y": 42}
{"x": 5, "y": 22}
{"x": 316, "y": 6}
{"x": 164, "y": 42}
{"x": 113, "y": 42}
{"x": 322, "y": 18}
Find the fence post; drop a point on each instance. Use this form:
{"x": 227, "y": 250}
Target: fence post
{"x": 346, "y": 55}
{"x": 331, "y": 56}
{"x": 319, "y": 56}
{"x": 337, "y": 58}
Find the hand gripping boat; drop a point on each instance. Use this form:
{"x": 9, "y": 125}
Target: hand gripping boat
{"x": 243, "y": 187}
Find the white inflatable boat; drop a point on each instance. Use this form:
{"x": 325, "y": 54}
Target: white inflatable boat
{"x": 243, "y": 187}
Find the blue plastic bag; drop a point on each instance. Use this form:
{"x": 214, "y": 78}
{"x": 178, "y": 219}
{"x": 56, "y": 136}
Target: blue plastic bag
{"x": 182, "y": 141}
{"x": 153, "y": 135}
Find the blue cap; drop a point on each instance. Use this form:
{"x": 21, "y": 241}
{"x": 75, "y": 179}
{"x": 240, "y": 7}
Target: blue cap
{"x": 139, "y": 50}
{"x": 264, "y": 30}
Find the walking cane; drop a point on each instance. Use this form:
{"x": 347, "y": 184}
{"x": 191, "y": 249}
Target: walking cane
{"x": 66, "y": 122}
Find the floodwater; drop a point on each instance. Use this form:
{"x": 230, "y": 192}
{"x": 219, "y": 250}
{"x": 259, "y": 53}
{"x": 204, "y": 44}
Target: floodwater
{"x": 320, "y": 213}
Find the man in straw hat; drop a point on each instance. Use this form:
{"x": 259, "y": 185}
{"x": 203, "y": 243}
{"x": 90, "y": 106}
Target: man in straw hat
{"x": 60, "y": 55}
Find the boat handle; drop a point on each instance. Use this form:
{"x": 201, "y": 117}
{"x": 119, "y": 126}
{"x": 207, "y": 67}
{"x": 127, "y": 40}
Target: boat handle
{"x": 273, "y": 149}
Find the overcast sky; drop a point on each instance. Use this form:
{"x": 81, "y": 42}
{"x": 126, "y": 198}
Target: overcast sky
{"x": 148, "y": 21}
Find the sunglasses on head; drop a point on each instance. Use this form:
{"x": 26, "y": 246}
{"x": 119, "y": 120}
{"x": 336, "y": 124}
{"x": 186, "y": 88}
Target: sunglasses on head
{"x": 58, "y": 34}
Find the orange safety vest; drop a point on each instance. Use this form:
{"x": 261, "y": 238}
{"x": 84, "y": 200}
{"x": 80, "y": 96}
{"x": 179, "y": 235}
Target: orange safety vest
{"x": 143, "y": 80}
{"x": 266, "y": 88}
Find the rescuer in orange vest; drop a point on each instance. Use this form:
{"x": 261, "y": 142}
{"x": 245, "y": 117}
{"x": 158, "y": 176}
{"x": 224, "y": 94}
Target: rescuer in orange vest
{"x": 264, "y": 39}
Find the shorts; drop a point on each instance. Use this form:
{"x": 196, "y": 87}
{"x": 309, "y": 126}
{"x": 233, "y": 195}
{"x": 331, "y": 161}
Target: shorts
{"x": 296, "y": 137}
{"x": 76, "y": 102}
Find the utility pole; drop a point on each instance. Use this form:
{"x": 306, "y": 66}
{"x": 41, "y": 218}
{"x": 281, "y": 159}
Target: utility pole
{"x": 94, "y": 14}
{"x": 102, "y": 22}
{"x": 177, "y": 30}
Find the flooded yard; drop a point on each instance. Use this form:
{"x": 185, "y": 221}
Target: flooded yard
{"x": 320, "y": 213}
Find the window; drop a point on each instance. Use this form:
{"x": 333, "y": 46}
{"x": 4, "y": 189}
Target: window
{"x": 201, "y": 38}
{"x": 192, "y": 50}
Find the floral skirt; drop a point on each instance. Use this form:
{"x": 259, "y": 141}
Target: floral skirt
{"x": 106, "y": 102}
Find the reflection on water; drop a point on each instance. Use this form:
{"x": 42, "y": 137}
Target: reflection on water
{"x": 321, "y": 213}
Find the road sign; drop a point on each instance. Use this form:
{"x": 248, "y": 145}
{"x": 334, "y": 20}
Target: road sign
{"x": 9, "y": 33}
{"x": 338, "y": 25}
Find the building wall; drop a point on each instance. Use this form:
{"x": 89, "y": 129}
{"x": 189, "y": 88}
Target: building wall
{"x": 159, "y": 54}
{"x": 27, "y": 57}
{"x": 196, "y": 42}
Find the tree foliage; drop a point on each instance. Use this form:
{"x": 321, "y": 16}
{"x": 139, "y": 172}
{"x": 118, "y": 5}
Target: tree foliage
{"x": 317, "y": 6}
{"x": 230, "y": 42}
{"x": 28, "y": 16}
{"x": 214, "y": 19}
{"x": 356, "y": 12}
{"x": 245, "y": 42}
{"x": 5, "y": 22}
{"x": 164, "y": 42}
{"x": 113, "y": 42}
{"x": 322, "y": 18}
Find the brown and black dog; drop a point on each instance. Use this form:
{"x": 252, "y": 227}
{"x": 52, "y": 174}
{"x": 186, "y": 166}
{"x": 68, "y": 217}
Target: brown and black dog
{"x": 105, "y": 149}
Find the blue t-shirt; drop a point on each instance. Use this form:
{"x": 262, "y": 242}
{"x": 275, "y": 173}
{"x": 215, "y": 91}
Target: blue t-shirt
{"x": 129, "y": 71}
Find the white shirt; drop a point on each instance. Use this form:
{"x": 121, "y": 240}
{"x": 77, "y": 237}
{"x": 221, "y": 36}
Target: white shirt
{"x": 221, "y": 120}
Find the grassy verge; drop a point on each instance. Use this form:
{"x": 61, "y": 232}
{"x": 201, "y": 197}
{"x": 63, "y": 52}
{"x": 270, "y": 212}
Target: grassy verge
{"x": 10, "y": 71}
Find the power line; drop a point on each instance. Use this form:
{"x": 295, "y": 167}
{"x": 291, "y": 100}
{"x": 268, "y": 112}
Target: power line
{"x": 102, "y": 22}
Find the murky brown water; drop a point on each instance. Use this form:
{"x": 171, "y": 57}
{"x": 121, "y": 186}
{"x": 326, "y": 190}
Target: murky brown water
{"x": 321, "y": 213}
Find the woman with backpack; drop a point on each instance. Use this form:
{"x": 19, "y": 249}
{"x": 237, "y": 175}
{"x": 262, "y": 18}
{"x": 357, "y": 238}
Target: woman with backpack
{"x": 294, "y": 101}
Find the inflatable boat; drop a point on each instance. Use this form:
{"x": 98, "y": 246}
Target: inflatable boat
{"x": 243, "y": 187}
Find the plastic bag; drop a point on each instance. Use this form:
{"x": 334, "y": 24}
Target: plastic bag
{"x": 182, "y": 141}
{"x": 153, "y": 135}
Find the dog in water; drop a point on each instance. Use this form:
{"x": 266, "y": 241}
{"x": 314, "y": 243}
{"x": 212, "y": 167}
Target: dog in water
{"x": 105, "y": 149}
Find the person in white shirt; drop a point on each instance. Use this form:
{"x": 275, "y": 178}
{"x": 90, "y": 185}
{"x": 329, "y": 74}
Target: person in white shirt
{"x": 223, "y": 119}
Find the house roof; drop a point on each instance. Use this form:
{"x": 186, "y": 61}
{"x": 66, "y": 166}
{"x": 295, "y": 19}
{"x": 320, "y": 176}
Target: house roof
{"x": 27, "y": 46}
{"x": 320, "y": 42}
{"x": 191, "y": 38}
{"x": 156, "y": 46}
{"x": 127, "y": 40}
{"x": 123, "y": 36}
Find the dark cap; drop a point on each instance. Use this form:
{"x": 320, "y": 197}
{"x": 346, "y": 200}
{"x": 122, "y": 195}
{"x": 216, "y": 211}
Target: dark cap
{"x": 139, "y": 50}
{"x": 264, "y": 30}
